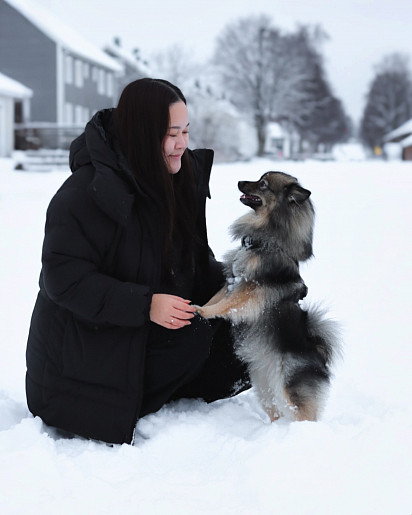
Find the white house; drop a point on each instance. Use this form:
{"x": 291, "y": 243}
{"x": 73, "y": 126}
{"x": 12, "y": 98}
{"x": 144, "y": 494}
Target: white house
{"x": 402, "y": 138}
{"x": 13, "y": 95}
{"x": 277, "y": 142}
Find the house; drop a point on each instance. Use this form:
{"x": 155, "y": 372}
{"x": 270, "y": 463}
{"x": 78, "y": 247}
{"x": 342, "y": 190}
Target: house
{"x": 70, "y": 78}
{"x": 402, "y": 136}
{"x": 14, "y": 103}
{"x": 279, "y": 143}
{"x": 407, "y": 148}
{"x": 133, "y": 67}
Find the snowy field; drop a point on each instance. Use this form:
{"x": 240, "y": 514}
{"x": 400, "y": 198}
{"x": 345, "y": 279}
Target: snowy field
{"x": 226, "y": 458}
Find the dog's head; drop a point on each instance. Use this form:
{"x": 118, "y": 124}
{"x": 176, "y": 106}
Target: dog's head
{"x": 283, "y": 210}
{"x": 272, "y": 191}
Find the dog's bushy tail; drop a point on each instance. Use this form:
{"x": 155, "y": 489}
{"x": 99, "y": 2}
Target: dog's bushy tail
{"x": 325, "y": 332}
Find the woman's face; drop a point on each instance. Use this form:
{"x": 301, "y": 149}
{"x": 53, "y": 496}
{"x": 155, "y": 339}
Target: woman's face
{"x": 177, "y": 137}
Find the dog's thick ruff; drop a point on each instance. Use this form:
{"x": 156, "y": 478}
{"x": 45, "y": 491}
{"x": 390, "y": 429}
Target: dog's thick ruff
{"x": 288, "y": 350}
{"x": 100, "y": 265}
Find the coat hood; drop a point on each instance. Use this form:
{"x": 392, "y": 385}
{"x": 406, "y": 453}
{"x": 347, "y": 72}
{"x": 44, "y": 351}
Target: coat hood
{"x": 113, "y": 186}
{"x": 98, "y": 146}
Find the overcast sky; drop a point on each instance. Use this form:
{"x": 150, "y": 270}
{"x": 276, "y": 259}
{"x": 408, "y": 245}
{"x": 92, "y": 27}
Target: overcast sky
{"x": 361, "y": 31}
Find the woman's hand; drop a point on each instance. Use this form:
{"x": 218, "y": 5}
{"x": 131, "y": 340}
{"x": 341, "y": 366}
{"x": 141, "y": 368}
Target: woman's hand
{"x": 171, "y": 311}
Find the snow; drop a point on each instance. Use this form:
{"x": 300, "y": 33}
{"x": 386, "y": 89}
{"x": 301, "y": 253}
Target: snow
{"x": 12, "y": 88}
{"x": 351, "y": 151}
{"x": 226, "y": 457}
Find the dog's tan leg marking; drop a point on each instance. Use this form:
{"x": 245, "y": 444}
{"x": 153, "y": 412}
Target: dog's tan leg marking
{"x": 273, "y": 413}
{"x": 235, "y": 300}
{"x": 307, "y": 411}
{"x": 265, "y": 398}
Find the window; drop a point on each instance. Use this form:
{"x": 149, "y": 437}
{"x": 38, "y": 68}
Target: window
{"x": 68, "y": 108}
{"x": 69, "y": 69}
{"x": 101, "y": 86}
{"x": 109, "y": 89}
{"x": 78, "y": 73}
{"x": 78, "y": 115}
{"x": 86, "y": 70}
{"x": 18, "y": 112}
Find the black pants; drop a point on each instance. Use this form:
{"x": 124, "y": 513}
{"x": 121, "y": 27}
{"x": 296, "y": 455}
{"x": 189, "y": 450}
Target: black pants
{"x": 197, "y": 361}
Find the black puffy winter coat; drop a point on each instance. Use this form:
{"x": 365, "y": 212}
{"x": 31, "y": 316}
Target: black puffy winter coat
{"x": 100, "y": 267}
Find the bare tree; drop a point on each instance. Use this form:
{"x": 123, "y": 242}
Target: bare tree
{"x": 175, "y": 64}
{"x": 244, "y": 56}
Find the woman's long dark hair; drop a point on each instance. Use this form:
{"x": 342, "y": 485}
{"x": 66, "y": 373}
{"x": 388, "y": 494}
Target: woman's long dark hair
{"x": 141, "y": 124}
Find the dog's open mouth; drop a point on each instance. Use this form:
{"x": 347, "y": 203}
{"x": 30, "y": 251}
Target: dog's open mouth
{"x": 251, "y": 200}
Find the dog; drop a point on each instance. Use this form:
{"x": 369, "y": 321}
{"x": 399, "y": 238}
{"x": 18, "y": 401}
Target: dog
{"x": 289, "y": 350}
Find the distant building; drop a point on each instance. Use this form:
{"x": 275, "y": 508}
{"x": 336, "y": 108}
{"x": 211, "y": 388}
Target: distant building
{"x": 70, "y": 78}
{"x": 279, "y": 142}
{"x": 14, "y": 103}
{"x": 403, "y": 137}
{"x": 133, "y": 67}
{"x": 275, "y": 140}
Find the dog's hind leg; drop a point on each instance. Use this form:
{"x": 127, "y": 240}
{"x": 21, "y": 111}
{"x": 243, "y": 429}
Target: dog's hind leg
{"x": 267, "y": 403}
{"x": 306, "y": 394}
{"x": 265, "y": 395}
{"x": 307, "y": 409}
{"x": 273, "y": 413}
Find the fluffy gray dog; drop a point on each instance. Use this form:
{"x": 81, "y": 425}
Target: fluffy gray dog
{"x": 289, "y": 350}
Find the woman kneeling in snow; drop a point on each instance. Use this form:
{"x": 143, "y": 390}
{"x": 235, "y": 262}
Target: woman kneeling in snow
{"x": 113, "y": 335}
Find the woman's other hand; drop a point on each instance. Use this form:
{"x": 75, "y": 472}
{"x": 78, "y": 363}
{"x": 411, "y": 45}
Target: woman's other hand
{"x": 170, "y": 311}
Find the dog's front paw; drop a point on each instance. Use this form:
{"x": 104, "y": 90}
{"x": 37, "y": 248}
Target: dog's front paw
{"x": 199, "y": 309}
{"x": 203, "y": 311}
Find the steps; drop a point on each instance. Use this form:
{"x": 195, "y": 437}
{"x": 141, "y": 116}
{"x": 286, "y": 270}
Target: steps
{"x": 42, "y": 160}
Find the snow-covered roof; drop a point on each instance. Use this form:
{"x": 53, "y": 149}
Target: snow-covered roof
{"x": 407, "y": 142}
{"x": 12, "y": 88}
{"x": 274, "y": 130}
{"x": 124, "y": 56}
{"x": 403, "y": 130}
{"x": 57, "y": 31}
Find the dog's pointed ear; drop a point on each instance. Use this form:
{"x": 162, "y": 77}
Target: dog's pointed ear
{"x": 298, "y": 194}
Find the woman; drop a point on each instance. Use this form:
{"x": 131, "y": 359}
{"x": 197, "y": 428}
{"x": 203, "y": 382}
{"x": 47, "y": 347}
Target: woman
{"x": 113, "y": 334}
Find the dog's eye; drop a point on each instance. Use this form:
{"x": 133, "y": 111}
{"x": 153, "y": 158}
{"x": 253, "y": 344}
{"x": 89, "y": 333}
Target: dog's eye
{"x": 263, "y": 184}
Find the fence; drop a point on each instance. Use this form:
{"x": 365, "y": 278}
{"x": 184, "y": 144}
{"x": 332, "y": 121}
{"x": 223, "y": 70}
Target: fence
{"x": 34, "y": 136}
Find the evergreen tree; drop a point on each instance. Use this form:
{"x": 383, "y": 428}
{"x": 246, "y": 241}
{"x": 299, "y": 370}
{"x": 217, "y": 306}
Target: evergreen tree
{"x": 389, "y": 100}
{"x": 318, "y": 117}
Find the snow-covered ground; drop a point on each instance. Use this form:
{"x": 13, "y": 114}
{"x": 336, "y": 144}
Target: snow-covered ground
{"x": 226, "y": 458}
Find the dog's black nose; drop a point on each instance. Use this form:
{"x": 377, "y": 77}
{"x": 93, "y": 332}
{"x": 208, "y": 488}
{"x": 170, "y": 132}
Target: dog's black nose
{"x": 241, "y": 184}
